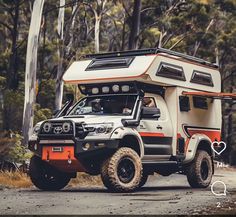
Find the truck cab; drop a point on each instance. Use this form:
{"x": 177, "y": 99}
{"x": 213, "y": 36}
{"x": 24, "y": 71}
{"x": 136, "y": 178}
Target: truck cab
{"x": 142, "y": 112}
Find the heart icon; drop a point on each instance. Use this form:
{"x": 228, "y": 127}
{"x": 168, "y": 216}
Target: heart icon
{"x": 218, "y": 147}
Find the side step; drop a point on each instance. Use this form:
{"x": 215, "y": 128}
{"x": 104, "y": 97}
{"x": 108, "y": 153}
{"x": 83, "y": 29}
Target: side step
{"x": 160, "y": 163}
{"x": 164, "y": 168}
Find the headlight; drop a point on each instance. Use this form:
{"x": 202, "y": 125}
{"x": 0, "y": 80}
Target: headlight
{"x": 36, "y": 129}
{"x": 100, "y": 128}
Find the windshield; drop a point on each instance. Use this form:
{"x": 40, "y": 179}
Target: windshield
{"x": 105, "y": 105}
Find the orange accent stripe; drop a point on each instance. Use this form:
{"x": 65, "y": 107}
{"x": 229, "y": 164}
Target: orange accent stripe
{"x": 212, "y": 134}
{"x": 101, "y": 79}
{"x": 178, "y": 135}
{"x": 151, "y": 134}
{"x": 209, "y": 94}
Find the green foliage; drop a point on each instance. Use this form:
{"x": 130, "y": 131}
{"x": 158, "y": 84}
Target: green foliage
{"x": 204, "y": 28}
{"x": 41, "y": 114}
{"x": 13, "y": 109}
{"x": 11, "y": 148}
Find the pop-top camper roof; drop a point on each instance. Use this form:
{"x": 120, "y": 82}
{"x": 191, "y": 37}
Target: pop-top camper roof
{"x": 154, "y": 66}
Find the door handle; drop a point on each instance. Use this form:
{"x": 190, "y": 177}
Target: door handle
{"x": 159, "y": 127}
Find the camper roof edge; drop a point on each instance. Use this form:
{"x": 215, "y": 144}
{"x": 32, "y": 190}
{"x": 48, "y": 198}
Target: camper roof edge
{"x": 149, "y": 51}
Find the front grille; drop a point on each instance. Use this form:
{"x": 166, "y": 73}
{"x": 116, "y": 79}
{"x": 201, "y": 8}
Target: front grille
{"x": 57, "y": 129}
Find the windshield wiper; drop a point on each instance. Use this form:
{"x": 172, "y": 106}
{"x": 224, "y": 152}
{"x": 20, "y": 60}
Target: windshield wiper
{"x": 73, "y": 116}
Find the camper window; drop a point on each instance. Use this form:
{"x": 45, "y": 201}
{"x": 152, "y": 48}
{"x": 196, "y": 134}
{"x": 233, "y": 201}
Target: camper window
{"x": 171, "y": 71}
{"x": 111, "y": 63}
{"x": 200, "y": 102}
{"x": 184, "y": 104}
{"x": 202, "y": 78}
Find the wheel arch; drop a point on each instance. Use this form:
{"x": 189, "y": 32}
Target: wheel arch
{"x": 129, "y": 137}
{"x": 198, "y": 142}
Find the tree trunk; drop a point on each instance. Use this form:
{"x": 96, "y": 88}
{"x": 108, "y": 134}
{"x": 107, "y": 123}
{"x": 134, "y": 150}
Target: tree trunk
{"x": 13, "y": 63}
{"x": 60, "y": 69}
{"x": 97, "y": 32}
{"x": 198, "y": 43}
{"x": 71, "y": 30}
{"x": 135, "y": 27}
{"x": 30, "y": 70}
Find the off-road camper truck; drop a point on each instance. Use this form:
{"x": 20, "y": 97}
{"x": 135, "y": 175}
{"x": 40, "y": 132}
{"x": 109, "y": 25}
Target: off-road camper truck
{"x": 144, "y": 111}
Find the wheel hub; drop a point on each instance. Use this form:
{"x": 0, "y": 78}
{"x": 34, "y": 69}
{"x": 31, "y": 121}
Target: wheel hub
{"x": 126, "y": 170}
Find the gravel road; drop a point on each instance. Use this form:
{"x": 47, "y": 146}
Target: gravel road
{"x": 161, "y": 195}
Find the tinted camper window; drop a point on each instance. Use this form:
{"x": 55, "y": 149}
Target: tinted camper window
{"x": 184, "y": 103}
{"x": 200, "y": 102}
{"x": 110, "y": 63}
{"x": 202, "y": 78}
{"x": 171, "y": 71}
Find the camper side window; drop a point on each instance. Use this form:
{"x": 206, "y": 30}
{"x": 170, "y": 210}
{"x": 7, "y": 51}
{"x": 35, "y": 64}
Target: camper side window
{"x": 200, "y": 102}
{"x": 184, "y": 103}
{"x": 202, "y": 78}
{"x": 171, "y": 71}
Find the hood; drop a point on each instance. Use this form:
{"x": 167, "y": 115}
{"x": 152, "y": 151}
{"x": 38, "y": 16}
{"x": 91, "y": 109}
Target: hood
{"x": 94, "y": 119}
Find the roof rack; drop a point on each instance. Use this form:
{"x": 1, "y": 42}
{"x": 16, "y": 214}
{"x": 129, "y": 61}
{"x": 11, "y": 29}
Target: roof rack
{"x": 142, "y": 52}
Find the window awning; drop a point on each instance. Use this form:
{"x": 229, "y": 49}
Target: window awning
{"x": 224, "y": 96}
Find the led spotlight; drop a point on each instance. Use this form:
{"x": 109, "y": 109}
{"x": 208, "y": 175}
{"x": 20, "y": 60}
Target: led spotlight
{"x": 47, "y": 127}
{"x": 125, "y": 88}
{"x": 105, "y": 89}
{"x": 66, "y": 127}
{"x": 95, "y": 90}
{"x": 115, "y": 88}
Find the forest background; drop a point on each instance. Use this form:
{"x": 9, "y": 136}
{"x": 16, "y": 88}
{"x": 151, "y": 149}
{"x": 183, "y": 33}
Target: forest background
{"x": 71, "y": 28}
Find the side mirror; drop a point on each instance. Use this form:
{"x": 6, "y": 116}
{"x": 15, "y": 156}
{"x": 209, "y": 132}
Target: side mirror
{"x": 150, "y": 112}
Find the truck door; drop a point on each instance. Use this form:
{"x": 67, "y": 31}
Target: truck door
{"x": 157, "y": 134}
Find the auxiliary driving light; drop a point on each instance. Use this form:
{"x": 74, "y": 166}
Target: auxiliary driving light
{"x": 47, "y": 127}
{"x": 66, "y": 127}
{"x": 95, "y": 90}
{"x": 115, "y": 88}
{"x": 125, "y": 88}
{"x": 86, "y": 146}
{"x": 105, "y": 89}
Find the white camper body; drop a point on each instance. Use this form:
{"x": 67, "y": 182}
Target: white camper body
{"x": 147, "y": 69}
{"x": 144, "y": 111}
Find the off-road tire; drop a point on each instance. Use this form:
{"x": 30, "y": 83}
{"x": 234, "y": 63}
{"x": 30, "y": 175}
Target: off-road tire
{"x": 45, "y": 177}
{"x": 110, "y": 169}
{"x": 143, "y": 180}
{"x": 194, "y": 172}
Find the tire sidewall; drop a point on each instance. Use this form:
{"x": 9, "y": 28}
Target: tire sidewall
{"x": 204, "y": 157}
{"x": 137, "y": 172}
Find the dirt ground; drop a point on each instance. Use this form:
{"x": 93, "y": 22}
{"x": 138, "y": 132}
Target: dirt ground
{"x": 161, "y": 195}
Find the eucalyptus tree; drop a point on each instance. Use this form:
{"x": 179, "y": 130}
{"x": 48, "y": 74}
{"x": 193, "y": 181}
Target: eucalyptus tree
{"x": 30, "y": 69}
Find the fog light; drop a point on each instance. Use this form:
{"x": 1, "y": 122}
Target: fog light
{"x": 86, "y": 146}
{"x": 100, "y": 145}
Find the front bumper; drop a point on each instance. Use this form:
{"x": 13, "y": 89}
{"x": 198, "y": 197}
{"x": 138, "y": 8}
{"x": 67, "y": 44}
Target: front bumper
{"x": 82, "y": 148}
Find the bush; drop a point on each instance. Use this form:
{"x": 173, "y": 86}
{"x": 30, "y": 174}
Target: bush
{"x": 11, "y": 148}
